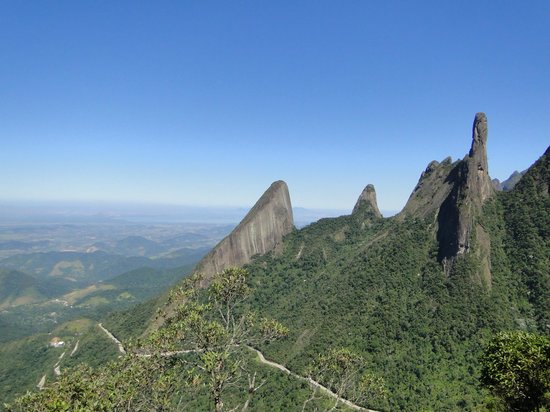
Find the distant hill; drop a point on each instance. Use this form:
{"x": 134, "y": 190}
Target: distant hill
{"x": 85, "y": 268}
{"x": 129, "y": 288}
{"x": 74, "y": 266}
{"x": 131, "y": 246}
{"x": 18, "y": 288}
{"x": 509, "y": 183}
{"x": 22, "y": 246}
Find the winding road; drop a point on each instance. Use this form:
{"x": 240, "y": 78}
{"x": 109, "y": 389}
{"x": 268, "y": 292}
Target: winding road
{"x": 262, "y": 360}
{"x": 112, "y": 337}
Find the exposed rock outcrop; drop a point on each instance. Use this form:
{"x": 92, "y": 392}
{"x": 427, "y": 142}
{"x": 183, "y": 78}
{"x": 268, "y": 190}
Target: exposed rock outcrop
{"x": 471, "y": 187}
{"x": 259, "y": 232}
{"x": 366, "y": 203}
{"x": 478, "y": 182}
{"x": 456, "y": 193}
{"x": 432, "y": 189}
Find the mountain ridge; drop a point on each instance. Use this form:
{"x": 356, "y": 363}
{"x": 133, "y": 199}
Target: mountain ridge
{"x": 416, "y": 295}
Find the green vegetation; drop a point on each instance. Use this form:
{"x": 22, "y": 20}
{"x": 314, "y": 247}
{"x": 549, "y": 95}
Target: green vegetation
{"x": 26, "y": 360}
{"x": 215, "y": 363}
{"x": 516, "y": 369}
{"x": 23, "y": 328}
{"x": 17, "y": 288}
{"x": 19, "y": 360}
{"x": 131, "y": 323}
{"x": 527, "y": 242}
{"x": 341, "y": 370}
{"x": 378, "y": 290}
{"x": 215, "y": 333}
{"x": 370, "y": 312}
{"x": 122, "y": 385}
{"x": 381, "y": 293}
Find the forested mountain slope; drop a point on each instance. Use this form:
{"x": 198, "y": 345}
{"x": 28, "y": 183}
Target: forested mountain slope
{"x": 378, "y": 286}
{"x": 418, "y": 296}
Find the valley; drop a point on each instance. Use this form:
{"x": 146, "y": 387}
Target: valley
{"x": 60, "y": 279}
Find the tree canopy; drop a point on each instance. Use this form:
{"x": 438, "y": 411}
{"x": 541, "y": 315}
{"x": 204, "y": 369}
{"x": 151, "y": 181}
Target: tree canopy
{"x": 516, "y": 368}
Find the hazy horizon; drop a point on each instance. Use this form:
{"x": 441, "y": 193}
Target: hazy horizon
{"x": 111, "y": 212}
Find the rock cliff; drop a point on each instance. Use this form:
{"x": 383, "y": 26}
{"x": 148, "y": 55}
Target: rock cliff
{"x": 259, "y": 232}
{"x": 456, "y": 193}
{"x": 432, "y": 189}
{"x": 366, "y": 203}
{"x": 471, "y": 187}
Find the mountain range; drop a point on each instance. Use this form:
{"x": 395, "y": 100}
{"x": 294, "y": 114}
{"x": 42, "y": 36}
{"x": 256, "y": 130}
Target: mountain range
{"x": 417, "y": 295}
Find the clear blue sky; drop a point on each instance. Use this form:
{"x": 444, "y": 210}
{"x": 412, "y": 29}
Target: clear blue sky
{"x": 207, "y": 103}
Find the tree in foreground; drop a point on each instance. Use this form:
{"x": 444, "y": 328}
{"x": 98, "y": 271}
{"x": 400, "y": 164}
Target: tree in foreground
{"x": 343, "y": 372}
{"x": 131, "y": 383}
{"x": 216, "y": 333}
{"x": 516, "y": 369}
{"x": 203, "y": 344}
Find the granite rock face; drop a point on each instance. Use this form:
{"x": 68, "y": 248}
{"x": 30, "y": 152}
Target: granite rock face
{"x": 472, "y": 186}
{"x": 432, "y": 189}
{"x": 478, "y": 181}
{"x": 367, "y": 203}
{"x": 455, "y": 193}
{"x": 265, "y": 225}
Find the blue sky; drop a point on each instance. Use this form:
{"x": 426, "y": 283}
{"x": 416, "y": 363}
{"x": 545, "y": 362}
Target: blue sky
{"x": 207, "y": 103}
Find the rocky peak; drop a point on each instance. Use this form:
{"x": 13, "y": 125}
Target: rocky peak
{"x": 477, "y": 170}
{"x": 261, "y": 230}
{"x": 367, "y": 203}
{"x": 264, "y": 226}
{"x": 455, "y": 193}
{"x": 431, "y": 190}
{"x": 471, "y": 187}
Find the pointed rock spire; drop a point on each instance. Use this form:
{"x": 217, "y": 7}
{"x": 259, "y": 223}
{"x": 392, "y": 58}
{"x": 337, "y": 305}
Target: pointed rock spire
{"x": 367, "y": 202}
{"x": 471, "y": 187}
{"x": 455, "y": 192}
{"x": 474, "y": 184}
{"x": 477, "y": 171}
{"x": 259, "y": 232}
